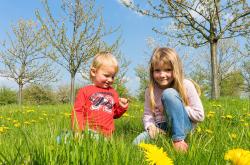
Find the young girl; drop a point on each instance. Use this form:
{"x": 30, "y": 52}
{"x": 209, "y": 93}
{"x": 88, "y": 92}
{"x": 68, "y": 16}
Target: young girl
{"x": 98, "y": 104}
{"x": 171, "y": 102}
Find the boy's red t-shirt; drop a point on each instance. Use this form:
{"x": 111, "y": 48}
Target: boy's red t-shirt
{"x": 96, "y": 108}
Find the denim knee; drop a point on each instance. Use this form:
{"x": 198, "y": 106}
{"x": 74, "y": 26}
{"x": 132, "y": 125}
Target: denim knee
{"x": 169, "y": 94}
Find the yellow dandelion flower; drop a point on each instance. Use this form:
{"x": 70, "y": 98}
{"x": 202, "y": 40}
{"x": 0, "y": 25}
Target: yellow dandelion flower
{"x": 15, "y": 121}
{"x": 125, "y": 115}
{"x": 211, "y": 112}
{"x": 210, "y": 115}
{"x": 155, "y": 155}
{"x": 242, "y": 120}
{"x": 27, "y": 122}
{"x": 229, "y": 116}
{"x": 17, "y": 125}
{"x": 30, "y": 110}
{"x": 246, "y": 124}
{"x": 2, "y": 130}
{"x": 66, "y": 114}
{"x": 238, "y": 156}
{"x": 33, "y": 121}
{"x": 217, "y": 105}
{"x": 209, "y": 131}
{"x": 223, "y": 117}
{"x": 198, "y": 129}
{"x": 233, "y": 136}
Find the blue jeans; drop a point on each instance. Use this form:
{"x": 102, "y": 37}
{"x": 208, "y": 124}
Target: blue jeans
{"x": 178, "y": 122}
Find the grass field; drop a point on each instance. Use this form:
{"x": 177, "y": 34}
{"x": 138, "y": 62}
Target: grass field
{"x": 28, "y": 136}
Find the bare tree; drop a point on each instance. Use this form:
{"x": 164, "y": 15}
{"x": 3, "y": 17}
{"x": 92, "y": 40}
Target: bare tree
{"x": 246, "y": 67}
{"x": 24, "y": 56}
{"x": 200, "y": 22}
{"x": 122, "y": 61}
{"x": 246, "y": 75}
{"x": 229, "y": 61}
{"x": 76, "y": 37}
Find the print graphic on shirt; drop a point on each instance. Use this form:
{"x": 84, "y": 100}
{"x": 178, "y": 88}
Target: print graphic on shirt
{"x": 102, "y": 101}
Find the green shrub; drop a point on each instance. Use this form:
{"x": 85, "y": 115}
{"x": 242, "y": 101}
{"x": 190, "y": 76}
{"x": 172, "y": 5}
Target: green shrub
{"x": 38, "y": 94}
{"x": 63, "y": 94}
{"x": 7, "y": 96}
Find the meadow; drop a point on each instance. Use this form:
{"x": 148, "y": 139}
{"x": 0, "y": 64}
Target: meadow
{"x": 28, "y": 136}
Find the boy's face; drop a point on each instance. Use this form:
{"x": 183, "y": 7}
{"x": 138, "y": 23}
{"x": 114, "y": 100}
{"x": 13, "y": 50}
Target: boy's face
{"x": 104, "y": 76}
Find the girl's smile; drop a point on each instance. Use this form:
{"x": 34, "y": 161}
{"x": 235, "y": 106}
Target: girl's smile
{"x": 163, "y": 74}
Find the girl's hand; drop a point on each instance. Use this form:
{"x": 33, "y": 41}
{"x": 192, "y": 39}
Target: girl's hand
{"x": 154, "y": 131}
{"x": 123, "y": 102}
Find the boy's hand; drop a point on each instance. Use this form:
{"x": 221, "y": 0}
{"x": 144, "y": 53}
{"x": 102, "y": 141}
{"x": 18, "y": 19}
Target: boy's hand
{"x": 123, "y": 102}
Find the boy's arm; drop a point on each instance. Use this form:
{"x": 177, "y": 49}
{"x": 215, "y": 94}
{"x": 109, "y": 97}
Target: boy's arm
{"x": 78, "y": 112}
{"x": 120, "y": 108}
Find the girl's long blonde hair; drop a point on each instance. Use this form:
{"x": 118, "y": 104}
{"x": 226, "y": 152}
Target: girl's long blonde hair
{"x": 167, "y": 56}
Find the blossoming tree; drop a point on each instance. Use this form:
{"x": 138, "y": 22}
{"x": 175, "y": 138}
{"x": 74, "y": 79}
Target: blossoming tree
{"x": 200, "y": 22}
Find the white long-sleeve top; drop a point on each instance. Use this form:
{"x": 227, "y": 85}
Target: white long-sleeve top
{"x": 194, "y": 109}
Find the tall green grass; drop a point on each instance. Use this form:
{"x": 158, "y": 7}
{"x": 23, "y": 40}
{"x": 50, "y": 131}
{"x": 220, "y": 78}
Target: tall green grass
{"x": 28, "y": 136}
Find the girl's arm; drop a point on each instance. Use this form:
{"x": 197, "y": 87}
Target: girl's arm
{"x": 148, "y": 117}
{"x": 194, "y": 109}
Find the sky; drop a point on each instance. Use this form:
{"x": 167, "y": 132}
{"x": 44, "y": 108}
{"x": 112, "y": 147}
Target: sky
{"x": 134, "y": 29}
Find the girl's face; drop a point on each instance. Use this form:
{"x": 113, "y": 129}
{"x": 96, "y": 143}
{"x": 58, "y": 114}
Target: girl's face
{"x": 163, "y": 74}
{"x": 103, "y": 77}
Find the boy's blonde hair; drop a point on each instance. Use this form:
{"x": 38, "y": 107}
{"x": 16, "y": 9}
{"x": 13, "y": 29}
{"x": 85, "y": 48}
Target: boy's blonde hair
{"x": 169, "y": 57}
{"x": 103, "y": 58}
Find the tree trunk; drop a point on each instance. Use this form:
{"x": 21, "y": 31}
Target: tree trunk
{"x": 72, "y": 89}
{"x": 20, "y": 94}
{"x": 215, "y": 86}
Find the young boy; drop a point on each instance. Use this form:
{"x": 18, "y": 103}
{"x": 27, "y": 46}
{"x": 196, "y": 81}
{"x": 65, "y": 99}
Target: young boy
{"x": 97, "y": 105}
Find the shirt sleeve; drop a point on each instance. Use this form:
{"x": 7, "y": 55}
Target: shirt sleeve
{"x": 78, "y": 112}
{"x": 194, "y": 109}
{"x": 148, "y": 117}
{"x": 118, "y": 110}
